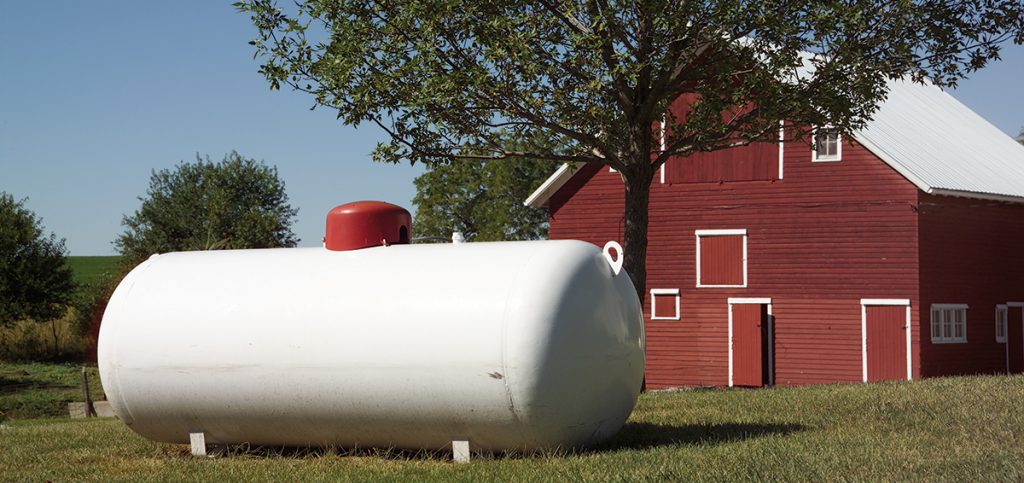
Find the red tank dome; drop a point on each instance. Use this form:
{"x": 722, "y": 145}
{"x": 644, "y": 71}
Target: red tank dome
{"x": 363, "y": 224}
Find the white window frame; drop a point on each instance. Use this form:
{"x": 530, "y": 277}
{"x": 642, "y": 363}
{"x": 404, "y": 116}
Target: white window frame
{"x": 826, "y": 159}
{"x": 944, "y": 339}
{"x": 1002, "y": 322}
{"x": 731, "y": 232}
{"x": 864, "y": 304}
{"x": 663, "y": 291}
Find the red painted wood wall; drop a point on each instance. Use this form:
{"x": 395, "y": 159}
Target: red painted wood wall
{"x": 819, "y": 239}
{"x": 972, "y": 252}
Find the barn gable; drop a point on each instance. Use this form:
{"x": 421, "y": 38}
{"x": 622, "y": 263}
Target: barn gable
{"x": 927, "y": 136}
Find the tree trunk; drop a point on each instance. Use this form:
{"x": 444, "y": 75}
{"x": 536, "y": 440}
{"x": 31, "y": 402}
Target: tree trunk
{"x": 638, "y": 193}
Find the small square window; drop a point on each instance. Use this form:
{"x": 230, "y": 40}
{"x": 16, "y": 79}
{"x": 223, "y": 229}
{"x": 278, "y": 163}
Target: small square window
{"x": 949, "y": 323}
{"x": 1001, "y": 322}
{"x": 664, "y": 304}
{"x": 826, "y": 145}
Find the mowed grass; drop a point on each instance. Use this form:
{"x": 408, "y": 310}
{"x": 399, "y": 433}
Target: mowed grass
{"x": 90, "y": 270}
{"x": 36, "y": 390}
{"x": 966, "y": 429}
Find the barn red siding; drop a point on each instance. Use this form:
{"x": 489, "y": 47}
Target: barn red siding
{"x": 971, "y": 253}
{"x": 758, "y": 161}
{"x": 819, "y": 240}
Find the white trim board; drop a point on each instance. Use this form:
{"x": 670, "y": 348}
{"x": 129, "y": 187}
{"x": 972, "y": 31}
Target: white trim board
{"x": 907, "y": 327}
{"x": 885, "y": 301}
{"x": 1013, "y": 305}
{"x": 1005, "y": 309}
{"x": 771, "y": 334}
{"x": 551, "y": 185}
{"x": 737, "y": 231}
{"x": 782, "y": 147}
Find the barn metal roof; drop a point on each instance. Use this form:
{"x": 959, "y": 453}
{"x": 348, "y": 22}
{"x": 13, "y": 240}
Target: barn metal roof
{"x": 930, "y": 138}
{"x": 942, "y": 146}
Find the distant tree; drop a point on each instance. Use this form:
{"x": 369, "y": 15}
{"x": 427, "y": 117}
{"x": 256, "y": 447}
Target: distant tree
{"x": 1020, "y": 136}
{"x": 234, "y": 203}
{"x": 483, "y": 200}
{"x": 35, "y": 280}
{"x": 444, "y": 78}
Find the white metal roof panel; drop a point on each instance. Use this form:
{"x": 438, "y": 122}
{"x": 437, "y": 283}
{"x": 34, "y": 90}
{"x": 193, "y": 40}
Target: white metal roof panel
{"x": 941, "y": 145}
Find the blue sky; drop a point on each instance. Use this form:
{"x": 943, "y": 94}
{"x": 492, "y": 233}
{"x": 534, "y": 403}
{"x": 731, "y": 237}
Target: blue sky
{"x": 96, "y": 95}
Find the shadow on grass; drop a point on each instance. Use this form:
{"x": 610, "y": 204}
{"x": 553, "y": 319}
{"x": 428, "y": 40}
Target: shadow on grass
{"x": 633, "y": 436}
{"x": 18, "y": 383}
{"x": 648, "y": 435}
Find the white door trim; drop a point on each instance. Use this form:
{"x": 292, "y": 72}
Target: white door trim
{"x": 864, "y": 304}
{"x": 771, "y": 334}
{"x": 1013, "y": 305}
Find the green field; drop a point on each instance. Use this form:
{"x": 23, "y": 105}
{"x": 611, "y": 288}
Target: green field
{"x": 89, "y": 270}
{"x": 964, "y": 429}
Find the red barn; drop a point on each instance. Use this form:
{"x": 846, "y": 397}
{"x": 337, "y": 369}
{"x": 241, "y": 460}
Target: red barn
{"x": 892, "y": 253}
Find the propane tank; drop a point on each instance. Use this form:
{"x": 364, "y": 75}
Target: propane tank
{"x": 509, "y": 345}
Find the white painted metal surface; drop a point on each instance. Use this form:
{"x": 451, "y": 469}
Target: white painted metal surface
{"x": 506, "y": 345}
{"x": 941, "y": 145}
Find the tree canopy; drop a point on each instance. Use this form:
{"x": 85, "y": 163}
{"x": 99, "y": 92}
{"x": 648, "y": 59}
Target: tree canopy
{"x": 231, "y": 204}
{"x": 481, "y": 199}
{"x": 35, "y": 280}
{"x": 484, "y": 200}
{"x": 446, "y": 78}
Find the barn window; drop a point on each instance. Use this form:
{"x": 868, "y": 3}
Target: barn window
{"x": 949, "y": 323}
{"x": 721, "y": 258}
{"x": 1001, "y": 318}
{"x": 664, "y": 304}
{"x": 826, "y": 145}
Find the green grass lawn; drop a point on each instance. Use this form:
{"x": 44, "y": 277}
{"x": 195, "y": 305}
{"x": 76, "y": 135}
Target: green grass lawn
{"x": 88, "y": 270}
{"x": 965, "y": 429}
{"x": 37, "y": 390}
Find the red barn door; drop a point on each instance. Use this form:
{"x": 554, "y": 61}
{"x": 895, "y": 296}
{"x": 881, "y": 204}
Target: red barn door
{"x": 750, "y": 345}
{"x": 1015, "y": 340}
{"x": 886, "y": 342}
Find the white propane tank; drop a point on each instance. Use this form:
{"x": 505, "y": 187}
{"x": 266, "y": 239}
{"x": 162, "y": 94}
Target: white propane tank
{"x": 509, "y": 345}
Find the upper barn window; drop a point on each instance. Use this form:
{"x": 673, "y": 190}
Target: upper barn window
{"x": 721, "y": 258}
{"x": 826, "y": 145}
